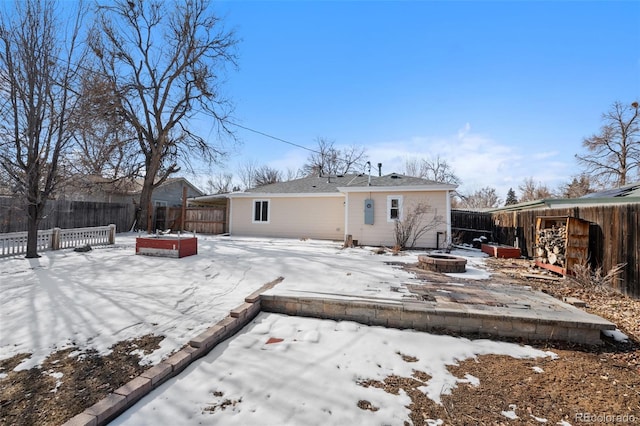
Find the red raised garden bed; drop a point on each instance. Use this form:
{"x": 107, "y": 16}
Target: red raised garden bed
{"x": 503, "y": 252}
{"x": 167, "y": 246}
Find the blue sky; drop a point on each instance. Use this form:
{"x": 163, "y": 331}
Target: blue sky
{"x": 501, "y": 90}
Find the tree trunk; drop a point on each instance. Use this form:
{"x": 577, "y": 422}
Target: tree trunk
{"x": 152, "y": 165}
{"x": 32, "y": 231}
{"x": 35, "y": 206}
{"x": 146, "y": 209}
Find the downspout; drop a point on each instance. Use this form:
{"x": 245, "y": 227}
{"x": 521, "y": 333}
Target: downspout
{"x": 346, "y": 215}
{"x": 229, "y": 215}
{"x": 448, "y": 235}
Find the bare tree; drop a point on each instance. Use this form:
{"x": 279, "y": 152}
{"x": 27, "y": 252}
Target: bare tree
{"x": 38, "y": 71}
{"x": 247, "y": 173}
{"x": 332, "y": 161}
{"x": 532, "y": 191}
{"x": 418, "y": 220}
{"x": 163, "y": 63}
{"x": 265, "y": 175}
{"x": 105, "y": 143}
{"x": 484, "y": 198}
{"x": 222, "y": 183}
{"x": 578, "y": 187}
{"x": 6, "y": 184}
{"x": 613, "y": 154}
{"x": 436, "y": 169}
{"x": 291, "y": 174}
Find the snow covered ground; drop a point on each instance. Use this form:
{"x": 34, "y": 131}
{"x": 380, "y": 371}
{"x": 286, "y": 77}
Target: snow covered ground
{"x": 310, "y": 376}
{"x": 109, "y": 294}
{"x": 300, "y": 371}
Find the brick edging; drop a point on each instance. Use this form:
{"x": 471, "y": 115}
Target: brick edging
{"x": 127, "y": 395}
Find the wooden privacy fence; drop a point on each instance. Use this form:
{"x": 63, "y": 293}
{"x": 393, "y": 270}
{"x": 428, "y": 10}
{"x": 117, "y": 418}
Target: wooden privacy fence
{"x": 614, "y": 236}
{"x": 66, "y": 214}
{"x": 202, "y": 220}
{"x": 467, "y": 225}
{"x": 15, "y": 243}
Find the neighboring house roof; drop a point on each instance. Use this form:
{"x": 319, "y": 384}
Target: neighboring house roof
{"x": 91, "y": 183}
{"x": 623, "y": 195}
{"x": 171, "y": 181}
{"x": 137, "y": 184}
{"x": 630, "y": 190}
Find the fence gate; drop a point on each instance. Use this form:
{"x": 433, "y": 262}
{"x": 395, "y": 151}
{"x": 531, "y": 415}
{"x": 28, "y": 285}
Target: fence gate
{"x": 160, "y": 218}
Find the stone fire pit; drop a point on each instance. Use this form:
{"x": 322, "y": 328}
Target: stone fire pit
{"x": 442, "y": 263}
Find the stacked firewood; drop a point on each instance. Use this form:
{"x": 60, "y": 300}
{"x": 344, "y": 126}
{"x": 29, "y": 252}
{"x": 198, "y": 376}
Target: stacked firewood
{"x": 551, "y": 246}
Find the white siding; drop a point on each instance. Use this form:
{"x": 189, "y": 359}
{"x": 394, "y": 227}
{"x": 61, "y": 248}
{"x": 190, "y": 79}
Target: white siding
{"x": 291, "y": 217}
{"x": 382, "y": 231}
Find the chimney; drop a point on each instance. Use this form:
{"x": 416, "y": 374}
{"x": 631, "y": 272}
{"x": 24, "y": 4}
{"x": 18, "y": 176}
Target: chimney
{"x": 379, "y": 169}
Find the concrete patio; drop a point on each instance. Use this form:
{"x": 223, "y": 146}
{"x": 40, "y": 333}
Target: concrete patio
{"x": 476, "y": 308}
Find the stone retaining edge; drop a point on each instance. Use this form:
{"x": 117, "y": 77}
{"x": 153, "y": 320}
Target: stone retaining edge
{"x": 424, "y": 318}
{"x": 131, "y": 392}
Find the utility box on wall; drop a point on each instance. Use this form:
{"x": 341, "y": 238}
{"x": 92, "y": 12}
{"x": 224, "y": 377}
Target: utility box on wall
{"x": 368, "y": 211}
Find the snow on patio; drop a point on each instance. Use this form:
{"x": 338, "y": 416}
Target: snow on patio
{"x": 109, "y": 294}
{"x": 284, "y": 370}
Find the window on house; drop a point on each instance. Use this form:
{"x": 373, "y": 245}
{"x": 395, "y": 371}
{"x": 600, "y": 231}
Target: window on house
{"x": 394, "y": 208}
{"x": 261, "y": 211}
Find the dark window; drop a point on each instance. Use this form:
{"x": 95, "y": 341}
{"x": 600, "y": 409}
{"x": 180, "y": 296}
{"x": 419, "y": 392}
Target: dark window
{"x": 394, "y": 210}
{"x": 261, "y": 211}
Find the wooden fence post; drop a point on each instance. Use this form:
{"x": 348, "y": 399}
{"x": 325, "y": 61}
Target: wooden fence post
{"x": 112, "y": 234}
{"x": 183, "y": 213}
{"x": 55, "y": 239}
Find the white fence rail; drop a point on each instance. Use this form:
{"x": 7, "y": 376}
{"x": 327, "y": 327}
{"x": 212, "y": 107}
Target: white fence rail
{"x": 15, "y": 243}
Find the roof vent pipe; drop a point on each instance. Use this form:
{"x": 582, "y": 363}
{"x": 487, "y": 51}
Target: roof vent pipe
{"x": 369, "y": 171}
{"x": 379, "y": 169}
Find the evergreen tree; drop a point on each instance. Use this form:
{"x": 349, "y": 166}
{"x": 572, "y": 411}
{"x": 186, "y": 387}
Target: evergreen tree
{"x": 511, "y": 198}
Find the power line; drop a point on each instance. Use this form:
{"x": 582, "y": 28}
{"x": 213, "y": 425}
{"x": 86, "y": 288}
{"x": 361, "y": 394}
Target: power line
{"x": 274, "y": 137}
{"x": 103, "y": 74}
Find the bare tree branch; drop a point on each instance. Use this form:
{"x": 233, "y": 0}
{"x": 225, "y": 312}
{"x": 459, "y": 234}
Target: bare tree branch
{"x": 417, "y": 221}
{"x": 265, "y": 175}
{"x": 164, "y": 61}
{"x": 436, "y": 169}
{"x": 532, "y": 191}
{"x": 578, "y": 187}
{"x": 484, "y": 198}
{"x": 39, "y": 71}
{"x": 247, "y": 173}
{"x": 613, "y": 154}
{"x": 220, "y": 183}
{"x": 332, "y": 161}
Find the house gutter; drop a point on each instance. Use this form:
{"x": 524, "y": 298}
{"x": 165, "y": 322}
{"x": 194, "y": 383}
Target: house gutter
{"x": 405, "y": 188}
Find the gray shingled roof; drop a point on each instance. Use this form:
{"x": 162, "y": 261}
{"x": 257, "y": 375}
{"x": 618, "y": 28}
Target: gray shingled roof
{"x": 630, "y": 190}
{"x": 315, "y": 184}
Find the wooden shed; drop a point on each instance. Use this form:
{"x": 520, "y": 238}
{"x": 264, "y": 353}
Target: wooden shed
{"x": 561, "y": 243}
